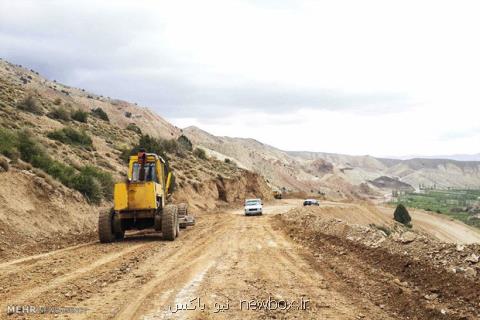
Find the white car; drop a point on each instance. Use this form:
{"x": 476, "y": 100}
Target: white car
{"x": 253, "y": 207}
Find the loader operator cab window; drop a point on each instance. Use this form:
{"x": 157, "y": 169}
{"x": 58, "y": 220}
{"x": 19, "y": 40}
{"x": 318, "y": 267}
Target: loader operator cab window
{"x": 150, "y": 172}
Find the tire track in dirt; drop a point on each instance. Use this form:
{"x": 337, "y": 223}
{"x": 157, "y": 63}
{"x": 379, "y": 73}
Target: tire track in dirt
{"x": 176, "y": 271}
{"x": 106, "y": 290}
{"x": 55, "y": 279}
{"x": 58, "y": 281}
{"x": 6, "y": 265}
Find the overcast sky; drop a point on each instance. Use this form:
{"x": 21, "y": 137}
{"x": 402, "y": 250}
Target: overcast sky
{"x": 357, "y": 77}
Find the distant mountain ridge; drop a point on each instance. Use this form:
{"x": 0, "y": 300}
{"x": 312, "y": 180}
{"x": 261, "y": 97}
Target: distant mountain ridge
{"x": 336, "y": 173}
{"x": 457, "y": 157}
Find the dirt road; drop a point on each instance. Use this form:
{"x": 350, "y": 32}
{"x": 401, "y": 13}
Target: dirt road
{"x": 228, "y": 266}
{"x": 227, "y": 258}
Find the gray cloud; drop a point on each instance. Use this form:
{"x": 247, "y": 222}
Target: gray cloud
{"x": 104, "y": 49}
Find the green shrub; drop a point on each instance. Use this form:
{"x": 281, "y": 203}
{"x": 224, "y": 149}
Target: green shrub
{"x": 104, "y": 178}
{"x": 80, "y": 116}
{"x": 133, "y": 127}
{"x": 99, "y": 113}
{"x": 125, "y": 154}
{"x": 30, "y": 104}
{"x": 152, "y": 145}
{"x": 27, "y": 147}
{"x": 169, "y": 146}
{"x": 185, "y": 143}
{"x": 62, "y": 172}
{"x": 88, "y": 186}
{"x": 71, "y": 136}
{"x": 401, "y": 215}
{"x": 57, "y": 102}
{"x": 32, "y": 152}
{"x": 92, "y": 182}
{"x": 200, "y": 153}
{"x": 60, "y": 113}
{"x": 227, "y": 160}
{"x": 8, "y": 143}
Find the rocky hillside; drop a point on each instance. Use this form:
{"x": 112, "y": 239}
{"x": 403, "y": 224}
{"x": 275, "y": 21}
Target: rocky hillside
{"x": 18, "y": 81}
{"x": 337, "y": 175}
{"x": 61, "y": 149}
{"x": 281, "y": 170}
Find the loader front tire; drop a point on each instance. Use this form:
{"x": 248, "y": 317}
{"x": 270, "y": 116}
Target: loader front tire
{"x": 169, "y": 222}
{"x": 105, "y": 227}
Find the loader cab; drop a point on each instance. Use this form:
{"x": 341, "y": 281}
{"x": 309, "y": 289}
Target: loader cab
{"x": 148, "y": 183}
{"x": 148, "y": 167}
{"x": 149, "y": 172}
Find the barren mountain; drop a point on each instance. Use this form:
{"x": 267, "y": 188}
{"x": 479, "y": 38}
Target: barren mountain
{"x": 458, "y": 157}
{"x": 440, "y": 172}
{"x": 336, "y": 174}
{"x": 281, "y": 170}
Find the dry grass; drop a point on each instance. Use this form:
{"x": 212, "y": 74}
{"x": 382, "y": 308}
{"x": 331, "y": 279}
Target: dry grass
{"x": 23, "y": 165}
{"x": 45, "y": 176}
{"x": 4, "y": 164}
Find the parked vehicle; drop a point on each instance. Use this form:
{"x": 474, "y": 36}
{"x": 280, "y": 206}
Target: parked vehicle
{"x": 311, "y": 202}
{"x": 253, "y": 207}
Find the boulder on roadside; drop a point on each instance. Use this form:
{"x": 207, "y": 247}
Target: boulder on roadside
{"x": 470, "y": 272}
{"x": 407, "y": 237}
{"x": 473, "y": 258}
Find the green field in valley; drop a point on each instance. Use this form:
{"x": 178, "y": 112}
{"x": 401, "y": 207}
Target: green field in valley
{"x": 460, "y": 204}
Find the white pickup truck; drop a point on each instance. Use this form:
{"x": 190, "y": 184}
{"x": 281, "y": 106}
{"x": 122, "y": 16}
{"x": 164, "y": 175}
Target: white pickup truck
{"x": 253, "y": 207}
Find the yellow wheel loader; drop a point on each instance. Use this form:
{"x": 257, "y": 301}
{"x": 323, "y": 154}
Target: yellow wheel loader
{"x": 141, "y": 202}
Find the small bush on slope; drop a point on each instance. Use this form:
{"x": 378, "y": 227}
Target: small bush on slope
{"x": 71, "y": 136}
{"x": 30, "y": 104}
{"x": 401, "y": 215}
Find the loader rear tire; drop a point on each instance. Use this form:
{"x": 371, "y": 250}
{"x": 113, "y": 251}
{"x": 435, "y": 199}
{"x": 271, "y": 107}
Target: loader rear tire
{"x": 169, "y": 222}
{"x": 105, "y": 227}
